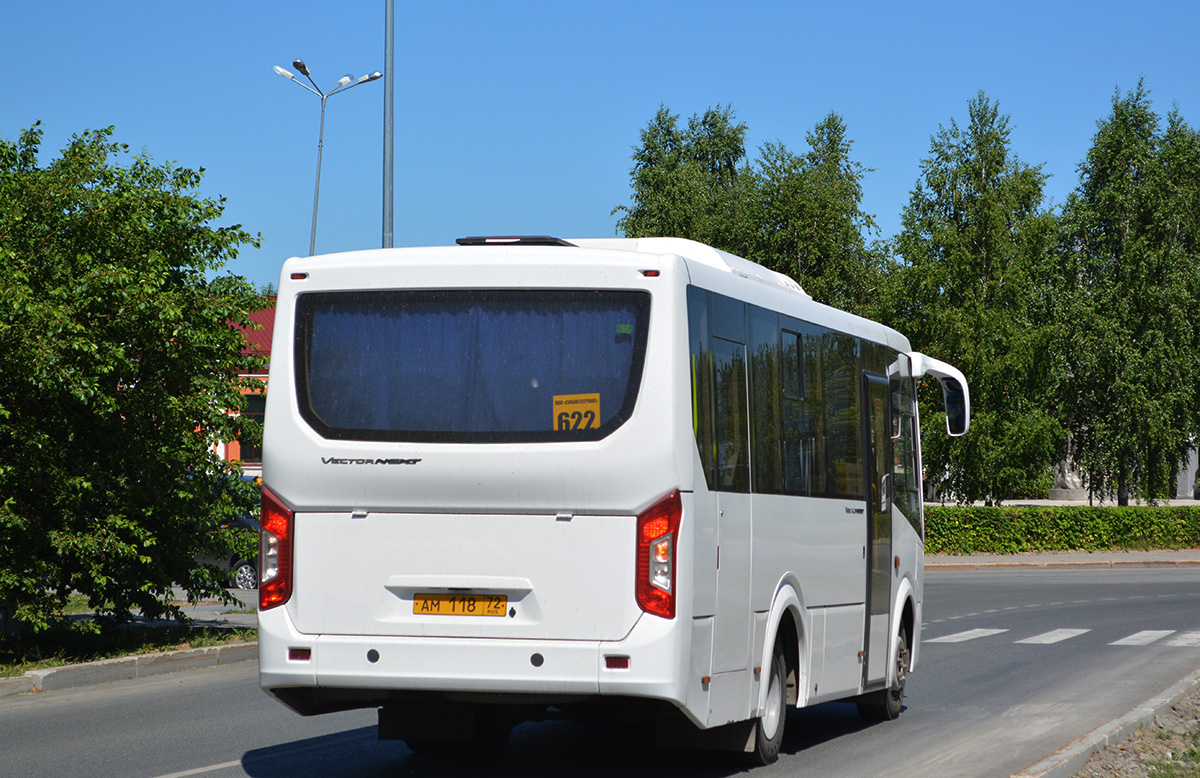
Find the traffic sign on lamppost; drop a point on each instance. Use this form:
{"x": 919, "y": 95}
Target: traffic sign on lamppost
{"x": 345, "y": 82}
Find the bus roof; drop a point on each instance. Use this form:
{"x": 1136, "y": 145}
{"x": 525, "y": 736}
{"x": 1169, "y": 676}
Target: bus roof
{"x": 694, "y": 251}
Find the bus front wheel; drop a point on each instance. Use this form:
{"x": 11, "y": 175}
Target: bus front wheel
{"x": 885, "y": 705}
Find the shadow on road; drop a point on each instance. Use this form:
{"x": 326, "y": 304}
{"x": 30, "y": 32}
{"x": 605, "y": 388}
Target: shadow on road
{"x": 537, "y": 750}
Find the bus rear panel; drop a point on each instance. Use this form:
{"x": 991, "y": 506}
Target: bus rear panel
{"x": 462, "y": 469}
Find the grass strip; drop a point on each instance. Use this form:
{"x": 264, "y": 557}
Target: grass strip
{"x": 72, "y": 644}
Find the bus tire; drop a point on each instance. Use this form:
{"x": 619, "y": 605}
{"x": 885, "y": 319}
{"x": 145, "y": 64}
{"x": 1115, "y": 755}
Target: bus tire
{"x": 885, "y": 705}
{"x": 768, "y": 728}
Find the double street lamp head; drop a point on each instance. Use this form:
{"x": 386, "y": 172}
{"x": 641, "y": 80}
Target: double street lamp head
{"x": 345, "y": 82}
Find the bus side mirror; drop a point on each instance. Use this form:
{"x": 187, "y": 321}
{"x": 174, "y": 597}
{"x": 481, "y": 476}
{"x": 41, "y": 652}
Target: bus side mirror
{"x": 955, "y": 394}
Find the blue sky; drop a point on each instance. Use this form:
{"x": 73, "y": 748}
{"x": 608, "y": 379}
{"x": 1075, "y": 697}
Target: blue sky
{"x": 519, "y": 117}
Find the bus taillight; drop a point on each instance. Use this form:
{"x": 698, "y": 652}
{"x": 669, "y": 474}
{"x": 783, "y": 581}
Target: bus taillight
{"x": 274, "y": 552}
{"x": 657, "y": 533}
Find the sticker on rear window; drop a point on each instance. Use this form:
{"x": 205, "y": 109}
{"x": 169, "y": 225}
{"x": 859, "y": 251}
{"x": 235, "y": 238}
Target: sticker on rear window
{"x": 576, "y": 412}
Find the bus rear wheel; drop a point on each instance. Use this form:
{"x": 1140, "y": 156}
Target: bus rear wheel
{"x": 768, "y": 728}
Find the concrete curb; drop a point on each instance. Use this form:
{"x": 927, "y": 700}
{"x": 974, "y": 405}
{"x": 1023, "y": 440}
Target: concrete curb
{"x": 18, "y": 685}
{"x": 124, "y": 668}
{"x": 1058, "y": 564}
{"x": 1069, "y": 759}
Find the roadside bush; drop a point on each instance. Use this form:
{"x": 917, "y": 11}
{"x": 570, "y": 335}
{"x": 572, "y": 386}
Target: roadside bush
{"x": 1022, "y": 529}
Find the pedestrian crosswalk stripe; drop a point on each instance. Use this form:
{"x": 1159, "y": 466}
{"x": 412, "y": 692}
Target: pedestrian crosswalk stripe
{"x": 1054, "y": 636}
{"x": 1143, "y": 638}
{"x": 971, "y": 634}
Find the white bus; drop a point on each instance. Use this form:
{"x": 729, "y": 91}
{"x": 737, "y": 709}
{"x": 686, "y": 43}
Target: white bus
{"x": 525, "y": 478}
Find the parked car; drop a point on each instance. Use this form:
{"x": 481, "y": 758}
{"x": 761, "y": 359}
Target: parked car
{"x": 241, "y": 567}
{"x": 244, "y": 572}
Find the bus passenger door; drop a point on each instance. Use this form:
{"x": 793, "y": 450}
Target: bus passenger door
{"x": 731, "y": 626}
{"x": 877, "y": 439}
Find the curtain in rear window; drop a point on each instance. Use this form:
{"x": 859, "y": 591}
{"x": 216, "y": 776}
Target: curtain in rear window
{"x": 470, "y": 365}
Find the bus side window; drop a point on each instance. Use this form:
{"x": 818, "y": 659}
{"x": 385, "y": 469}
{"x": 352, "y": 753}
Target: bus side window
{"x": 732, "y": 424}
{"x": 701, "y": 370}
{"x": 766, "y": 401}
{"x": 842, "y": 423}
{"x": 812, "y": 410}
{"x": 906, "y": 484}
{"x": 798, "y": 443}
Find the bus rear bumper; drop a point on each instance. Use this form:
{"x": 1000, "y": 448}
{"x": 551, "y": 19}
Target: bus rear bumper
{"x": 350, "y": 671}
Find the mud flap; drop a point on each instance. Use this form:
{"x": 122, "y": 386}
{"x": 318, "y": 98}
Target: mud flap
{"x": 673, "y": 730}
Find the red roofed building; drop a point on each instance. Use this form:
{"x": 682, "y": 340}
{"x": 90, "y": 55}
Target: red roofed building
{"x": 258, "y": 341}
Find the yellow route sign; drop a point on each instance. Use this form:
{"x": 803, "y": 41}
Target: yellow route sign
{"x": 576, "y": 412}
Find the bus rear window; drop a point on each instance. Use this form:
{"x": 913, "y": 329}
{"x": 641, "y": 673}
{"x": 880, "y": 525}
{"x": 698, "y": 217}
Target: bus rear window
{"x": 484, "y": 366}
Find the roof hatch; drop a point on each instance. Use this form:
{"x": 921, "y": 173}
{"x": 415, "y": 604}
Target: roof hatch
{"x": 512, "y": 240}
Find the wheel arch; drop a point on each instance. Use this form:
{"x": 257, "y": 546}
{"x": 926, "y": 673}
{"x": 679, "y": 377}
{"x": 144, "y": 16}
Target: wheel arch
{"x": 904, "y": 617}
{"x": 787, "y": 623}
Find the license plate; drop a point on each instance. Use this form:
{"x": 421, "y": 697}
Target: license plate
{"x": 460, "y": 605}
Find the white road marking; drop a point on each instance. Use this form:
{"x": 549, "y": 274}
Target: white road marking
{"x": 1190, "y": 639}
{"x": 1143, "y": 638}
{"x": 1054, "y": 636}
{"x": 971, "y": 634}
{"x": 201, "y": 770}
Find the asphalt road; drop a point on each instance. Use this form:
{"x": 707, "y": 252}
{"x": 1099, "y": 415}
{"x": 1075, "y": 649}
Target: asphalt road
{"x": 1014, "y": 665}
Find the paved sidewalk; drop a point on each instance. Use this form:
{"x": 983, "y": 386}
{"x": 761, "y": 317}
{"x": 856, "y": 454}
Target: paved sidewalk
{"x": 215, "y": 614}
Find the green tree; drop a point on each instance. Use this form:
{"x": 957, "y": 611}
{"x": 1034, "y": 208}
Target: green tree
{"x": 1131, "y": 292}
{"x": 120, "y": 371}
{"x": 814, "y": 227}
{"x": 797, "y": 214}
{"x": 691, "y": 183}
{"x": 977, "y": 247}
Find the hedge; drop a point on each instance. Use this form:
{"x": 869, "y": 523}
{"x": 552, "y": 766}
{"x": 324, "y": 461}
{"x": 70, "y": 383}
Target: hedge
{"x": 1015, "y": 530}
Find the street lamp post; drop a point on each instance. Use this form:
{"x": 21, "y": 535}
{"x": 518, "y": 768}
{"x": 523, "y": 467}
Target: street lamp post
{"x": 344, "y": 83}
